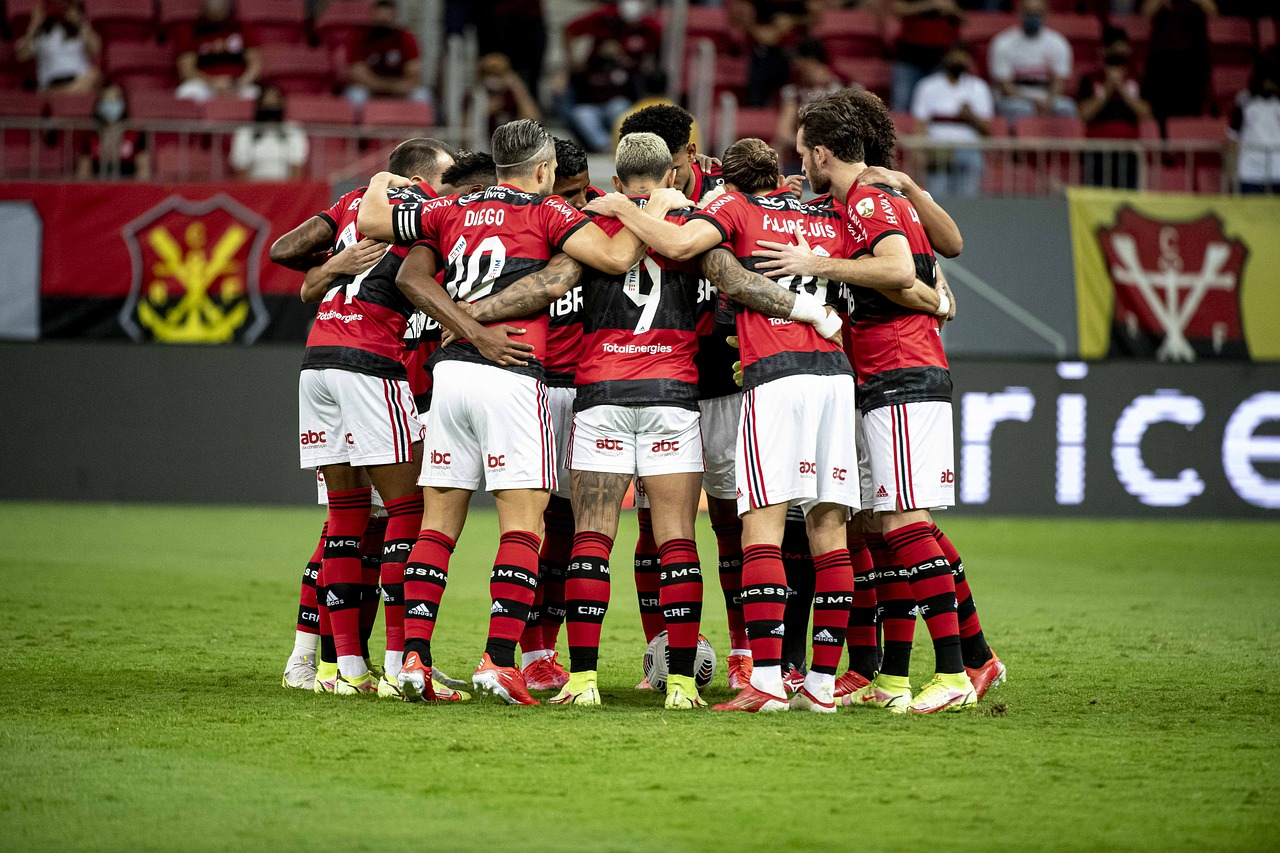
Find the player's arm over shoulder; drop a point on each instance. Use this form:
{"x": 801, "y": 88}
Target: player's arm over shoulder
{"x": 306, "y": 245}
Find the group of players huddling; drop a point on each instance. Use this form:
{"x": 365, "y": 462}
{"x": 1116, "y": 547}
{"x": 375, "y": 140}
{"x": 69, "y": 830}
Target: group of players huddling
{"x": 496, "y": 322}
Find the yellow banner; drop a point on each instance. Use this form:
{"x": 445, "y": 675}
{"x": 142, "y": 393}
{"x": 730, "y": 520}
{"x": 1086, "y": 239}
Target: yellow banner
{"x": 1177, "y": 277}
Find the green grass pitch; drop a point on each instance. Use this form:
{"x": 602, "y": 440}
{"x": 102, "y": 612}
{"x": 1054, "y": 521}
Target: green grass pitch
{"x": 141, "y": 649}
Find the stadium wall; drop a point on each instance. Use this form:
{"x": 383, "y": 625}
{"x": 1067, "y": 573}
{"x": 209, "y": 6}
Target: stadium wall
{"x": 116, "y": 422}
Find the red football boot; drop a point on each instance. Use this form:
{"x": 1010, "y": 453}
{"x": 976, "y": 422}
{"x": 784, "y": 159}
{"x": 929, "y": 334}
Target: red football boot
{"x": 754, "y": 701}
{"x": 740, "y": 667}
{"x": 849, "y": 682}
{"x": 990, "y": 674}
{"x": 505, "y": 682}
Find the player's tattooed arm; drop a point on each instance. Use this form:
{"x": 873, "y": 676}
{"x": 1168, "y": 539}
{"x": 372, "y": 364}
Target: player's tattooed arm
{"x": 767, "y": 296}
{"x": 374, "y": 217}
{"x": 531, "y": 293}
{"x": 305, "y": 246}
{"x": 890, "y": 266}
{"x": 417, "y": 280}
{"x": 944, "y": 235}
{"x": 353, "y": 260}
{"x": 678, "y": 242}
{"x": 597, "y": 499}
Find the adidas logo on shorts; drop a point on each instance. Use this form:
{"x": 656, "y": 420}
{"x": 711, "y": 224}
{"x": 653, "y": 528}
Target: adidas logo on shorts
{"x": 421, "y": 610}
{"x": 882, "y": 492}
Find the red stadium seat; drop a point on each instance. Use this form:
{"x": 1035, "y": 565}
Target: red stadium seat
{"x": 229, "y": 110}
{"x": 1084, "y": 32}
{"x": 1049, "y": 127}
{"x": 979, "y": 28}
{"x": 1231, "y": 41}
{"x": 298, "y": 69}
{"x": 140, "y": 65}
{"x": 181, "y": 163}
{"x": 1043, "y": 171}
{"x": 876, "y": 74}
{"x": 707, "y": 22}
{"x": 905, "y": 124}
{"x": 22, "y": 104}
{"x": 275, "y": 21}
{"x": 177, "y": 13}
{"x": 50, "y": 161}
{"x": 18, "y": 14}
{"x": 1199, "y": 171}
{"x": 1206, "y": 128}
{"x": 1229, "y": 81}
{"x": 850, "y": 32}
{"x": 158, "y": 104}
{"x": 319, "y": 109}
{"x": 760, "y": 122}
{"x": 13, "y": 74}
{"x": 329, "y": 154}
{"x": 341, "y": 21}
{"x": 122, "y": 19}
{"x": 1266, "y": 33}
{"x": 71, "y": 105}
{"x": 381, "y": 112}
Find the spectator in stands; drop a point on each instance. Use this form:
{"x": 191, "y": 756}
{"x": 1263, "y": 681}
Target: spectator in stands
{"x": 811, "y": 77}
{"x": 655, "y": 93}
{"x": 928, "y": 29}
{"x": 505, "y": 96}
{"x": 1255, "y": 129}
{"x": 1030, "y": 66}
{"x": 610, "y": 50}
{"x": 520, "y": 34}
{"x": 64, "y": 47}
{"x": 384, "y": 60}
{"x": 954, "y": 105}
{"x": 1111, "y": 107}
{"x": 271, "y": 149}
{"x": 1176, "y": 82}
{"x": 217, "y": 55}
{"x": 112, "y": 151}
{"x": 772, "y": 29}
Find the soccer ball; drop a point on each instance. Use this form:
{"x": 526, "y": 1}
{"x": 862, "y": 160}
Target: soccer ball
{"x": 655, "y": 663}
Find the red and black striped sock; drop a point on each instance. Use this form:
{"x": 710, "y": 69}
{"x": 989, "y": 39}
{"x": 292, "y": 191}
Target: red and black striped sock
{"x": 864, "y": 651}
{"x": 933, "y": 589}
{"x": 404, "y": 519}
{"x": 370, "y": 573}
{"x": 729, "y": 547}
{"x": 328, "y": 649}
{"x": 586, "y": 597}
{"x": 511, "y": 589}
{"x": 348, "y": 517}
{"x": 832, "y": 595}
{"x": 680, "y": 595}
{"x": 553, "y": 565}
{"x": 895, "y": 608}
{"x": 425, "y": 576}
{"x": 797, "y": 563}
{"x": 764, "y": 602}
{"x": 308, "y": 606}
{"x": 973, "y": 645}
{"x": 648, "y": 580}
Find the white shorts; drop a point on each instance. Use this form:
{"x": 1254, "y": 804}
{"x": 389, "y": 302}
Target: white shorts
{"x": 720, "y": 417}
{"x": 644, "y": 440}
{"x": 912, "y": 457}
{"x": 346, "y": 417}
{"x": 797, "y": 444}
{"x": 322, "y": 492}
{"x": 489, "y": 427}
{"x": 560, "y": 400}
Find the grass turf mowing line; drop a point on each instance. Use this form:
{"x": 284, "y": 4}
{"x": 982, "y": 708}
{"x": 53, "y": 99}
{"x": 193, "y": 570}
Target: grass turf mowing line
{"x": 143, "y": 648}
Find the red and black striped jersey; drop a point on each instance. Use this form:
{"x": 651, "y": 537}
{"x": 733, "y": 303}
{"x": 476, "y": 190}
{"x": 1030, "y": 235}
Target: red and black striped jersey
{"x": 704, "y": 181}
{"x": 486, "y": 241}
{"x": 897, "y": 352}
{"x": 564, "y": 335}
{"x": 360, "y": 325}
{"x": 715, "y": 315}
{"x": 771, "y": 347}
{"x": 639, "y": 336}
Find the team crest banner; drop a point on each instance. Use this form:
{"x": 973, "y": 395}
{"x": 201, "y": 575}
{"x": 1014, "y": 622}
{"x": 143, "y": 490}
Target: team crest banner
{"x": 1178, "y": 278}
{"x": 176, "y": 264}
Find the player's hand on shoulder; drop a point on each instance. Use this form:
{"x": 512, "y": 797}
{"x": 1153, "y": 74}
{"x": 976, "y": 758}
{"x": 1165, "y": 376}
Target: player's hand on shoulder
{"x": 495, "y": 344}
{"x": 666, "y": 199}
{"x": 358, "y": 257}
{"x": 706, "y": 163}
{"x": 609, "y": 204}
{"x": 795, "y": 183}
{"x": 786, "y": 258}
{"x": 900, "y": 181}
{"x": 390, "y": 180}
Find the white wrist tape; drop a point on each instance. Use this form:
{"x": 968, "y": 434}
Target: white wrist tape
{"x": 944, "y": 304}
{"x": 828, "y": 325}
{"x": 808, "y": 309}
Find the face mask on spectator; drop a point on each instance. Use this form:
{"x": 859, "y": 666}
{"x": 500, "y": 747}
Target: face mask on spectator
{"x": 274, "y": 114}
{"x": 1117, "y": 59}
{"x": 955, "y": 68}
{"x": 1031, "y": 23}
{"x": 631, "y": 10}
{"x": 111, "y": 111}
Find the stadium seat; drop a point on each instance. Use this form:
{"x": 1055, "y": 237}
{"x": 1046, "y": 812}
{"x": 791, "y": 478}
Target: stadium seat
{"x": 160, "y": 104}
{"x": 115, "y": 20}
{"x": 1199, "y": 171}
{"x": 1043, "y": 171}
{"x": 1049, "y": 127}
{"x": 851, "y": 33}
{"x": 705, "y": 22}
{"x": 18, "y": 14}
{"x": 181, "y": 163}
{"x": 341, "y": 21}
{"x": 876, "y": 74}
{"x": 383, "y": 112}
{"x": 328, "y": 154}
{"x": 140, "y": 65}
{"x": 319, "y": 109}
{"x": 1229, "y": 81}
{"x": 760, "y": 122}
{"x": 22, "y": 105}
{"x": 1231, "y": 41}
{"x": 979, "y": 28}
{"x": 1084, "y": 32}
{"x": 176, "y": 13}
{"x": 297, "y": 69}
{"x": 1205, "y": 128}
{"x": 51, "y": 161}
{"x": 1266, "y": 33}
{"x": 275, "y": 21}
{"x": 71, "y": 105}
{"x": 13, "y": 74}
{"x": 229, "y": 110}
{"x": 905, "y": 124}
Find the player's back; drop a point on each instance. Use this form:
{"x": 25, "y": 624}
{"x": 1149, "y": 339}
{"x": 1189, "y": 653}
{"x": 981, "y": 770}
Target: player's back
{"x": 639, "y": 330}
{"x": 772, "y": 347}
{"x": 887, "y": 336}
